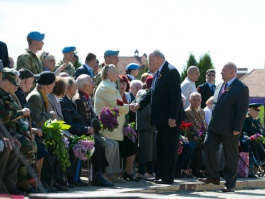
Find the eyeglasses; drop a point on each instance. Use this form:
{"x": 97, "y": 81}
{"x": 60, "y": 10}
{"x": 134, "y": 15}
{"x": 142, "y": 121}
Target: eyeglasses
{"x": 213, "y": 75}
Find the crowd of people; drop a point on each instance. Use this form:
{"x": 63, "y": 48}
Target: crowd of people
{"x": 38, "y": 89}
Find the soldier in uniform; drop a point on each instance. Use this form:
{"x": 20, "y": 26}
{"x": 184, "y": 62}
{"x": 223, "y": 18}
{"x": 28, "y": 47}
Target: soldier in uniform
{"x": 65, "y": 65}
{"x": 111, "y": 57}
{"x": 12, "y": 114}
{"x": 252, "y": 125}
{"x": 29, "y": 59}
{"x": 8, "y": 158}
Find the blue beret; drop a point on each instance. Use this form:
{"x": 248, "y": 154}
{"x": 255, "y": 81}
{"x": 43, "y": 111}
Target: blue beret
{"x": 37, "y": 36}
{"x": 111, "y": 52}
{"x": 68, "y": 49}
{"x": 132, "y": 66}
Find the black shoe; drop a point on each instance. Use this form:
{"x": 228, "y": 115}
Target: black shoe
{"x": 80, "y": 183}
{"x": 66, "y": 184}
{"x": 60, "y": 187}
{"x": 50, "y": 189}
{"x": 130, "y": 177}
{"x": 251, "y": 176}
{"x": 17, "y": 192}
{"x": 99, "y": 180}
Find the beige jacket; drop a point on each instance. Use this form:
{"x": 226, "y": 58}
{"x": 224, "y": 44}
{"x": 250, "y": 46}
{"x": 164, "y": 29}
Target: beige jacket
{"x": 106, "y": 96}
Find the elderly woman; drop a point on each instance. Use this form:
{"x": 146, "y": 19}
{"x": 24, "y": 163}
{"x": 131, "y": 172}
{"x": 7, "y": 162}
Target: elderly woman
{"x": 48, "y": 61}
{"x": 106, "y": 95}
{"x": 52, "y": 166}
{"x": 147, "y": 135}
{"x": 128, "y": 149}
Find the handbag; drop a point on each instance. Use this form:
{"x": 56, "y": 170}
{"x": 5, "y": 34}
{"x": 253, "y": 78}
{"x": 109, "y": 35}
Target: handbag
{"x": 243, "y": 165}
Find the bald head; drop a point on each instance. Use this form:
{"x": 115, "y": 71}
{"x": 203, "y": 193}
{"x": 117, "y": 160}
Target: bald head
{"x": 193, "y": 73}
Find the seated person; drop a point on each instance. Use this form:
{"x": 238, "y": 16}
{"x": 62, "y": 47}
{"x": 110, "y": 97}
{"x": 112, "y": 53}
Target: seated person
{"x": 196, "y": 116}
{"x": 252, "y": 126}
{"x": 80, "y": 127}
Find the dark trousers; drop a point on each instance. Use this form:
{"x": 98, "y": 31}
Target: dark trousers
{"x": 185, "y": 157}
{"x": 98, "y": 159}
{"x": 231, "y": 153}
{"x": 8, "y": 169}
{"x": 167, "y": 146}
{"x": 52, "y": 169}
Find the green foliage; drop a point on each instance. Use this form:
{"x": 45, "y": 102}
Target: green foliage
{"x": 77, "y": 63}
{"x": 53, "y": 135}
{"x": 191, "y": 62}
{"x": 205, "y": 63}
{"x": 142, "y": 71}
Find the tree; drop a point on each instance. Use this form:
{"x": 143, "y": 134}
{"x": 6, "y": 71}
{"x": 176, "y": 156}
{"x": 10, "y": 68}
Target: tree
{"x": 191, "y": 62}
{"x": 205, "y": 63}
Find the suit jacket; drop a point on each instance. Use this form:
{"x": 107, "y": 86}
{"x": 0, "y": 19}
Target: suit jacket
{"x": 84, "y": 108}
{"x": 72, "y": 117}
{"x": 165, "y": 98}
{"x": 55, "y": 106}
{"x": 106, "y": 96}
{"x": 206, "y": 92}
{"x": 229, "y": 111}
{"x": 84, "y": 70}
{"x": 38, "y": 111}
{"x": 196, "y": 118}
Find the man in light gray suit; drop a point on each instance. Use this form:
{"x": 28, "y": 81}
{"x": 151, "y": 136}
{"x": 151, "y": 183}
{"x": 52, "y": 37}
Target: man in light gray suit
{"x": 230, "y": 105}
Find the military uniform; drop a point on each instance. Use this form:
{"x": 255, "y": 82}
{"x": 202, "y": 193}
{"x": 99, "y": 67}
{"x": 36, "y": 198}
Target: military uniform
{"x": 10, "y": 110}
{"x": 70, "y": 69}
{"x": 30, "y": 61}
{"x": 251, "y": 127}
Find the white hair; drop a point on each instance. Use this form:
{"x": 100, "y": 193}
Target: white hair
{"x": 193, "y": 94}
{"x": 82, "y": 80}
{"x": 134, "y": 82}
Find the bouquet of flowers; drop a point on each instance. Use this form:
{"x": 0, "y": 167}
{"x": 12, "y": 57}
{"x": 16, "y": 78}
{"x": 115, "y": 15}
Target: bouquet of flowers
{"x": 108, "y": 118}
{"x": 185, "y": 128}
{"x": 54, "y": 139}
{"x": 257, "y": 138}
{"x": 129, "y": 131}
{"x": 119, "y": 102}
{"x": 83, "y": 146}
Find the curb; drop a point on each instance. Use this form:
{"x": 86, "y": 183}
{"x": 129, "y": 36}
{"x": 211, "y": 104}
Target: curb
{"x": 199, "y": 186}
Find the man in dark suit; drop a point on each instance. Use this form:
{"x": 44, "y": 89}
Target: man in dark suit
{"x": 87, "y": 68}
{"x": 230, "y": 105}
{"x": 167, "y": 114}
{"x": 207, "y": 89}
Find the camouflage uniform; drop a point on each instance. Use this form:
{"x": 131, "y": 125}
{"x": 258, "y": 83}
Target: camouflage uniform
{"x": 10, "y": 110}
{"x": 70, "y": 69}
{"x": 30, "y": 61}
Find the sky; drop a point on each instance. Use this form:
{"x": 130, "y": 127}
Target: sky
{"x": 229, "y": 30}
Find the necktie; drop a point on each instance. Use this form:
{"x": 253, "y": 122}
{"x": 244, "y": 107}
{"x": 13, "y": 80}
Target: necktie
{"x": 223, "y": 90}
{"x": 212, "y": 88}
{"x": 155, "y": 80}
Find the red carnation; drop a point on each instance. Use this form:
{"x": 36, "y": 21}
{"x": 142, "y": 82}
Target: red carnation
{"x": 119, "y": 102}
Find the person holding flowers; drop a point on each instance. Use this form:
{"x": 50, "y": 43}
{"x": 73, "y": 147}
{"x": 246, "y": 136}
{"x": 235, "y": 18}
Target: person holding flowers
{"x": 128, "y": 147}
{"x": 106, "y": 95}
{"x": 196, "y": 116}
{"x": 253, "y": 129}
{"x": 108, "y": 158}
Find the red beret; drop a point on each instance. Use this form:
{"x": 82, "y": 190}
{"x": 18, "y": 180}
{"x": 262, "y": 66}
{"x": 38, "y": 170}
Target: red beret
{"x": 149, "y": 81}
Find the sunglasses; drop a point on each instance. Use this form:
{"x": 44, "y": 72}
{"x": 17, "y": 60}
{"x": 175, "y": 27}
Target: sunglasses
{"x": 213, "y": 75}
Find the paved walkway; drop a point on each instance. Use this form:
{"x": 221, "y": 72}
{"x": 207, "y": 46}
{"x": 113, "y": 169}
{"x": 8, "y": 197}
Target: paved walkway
{"x": 144, "y": 189}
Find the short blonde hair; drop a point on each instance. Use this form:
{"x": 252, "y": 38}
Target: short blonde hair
{"x": 209, "y": 100}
